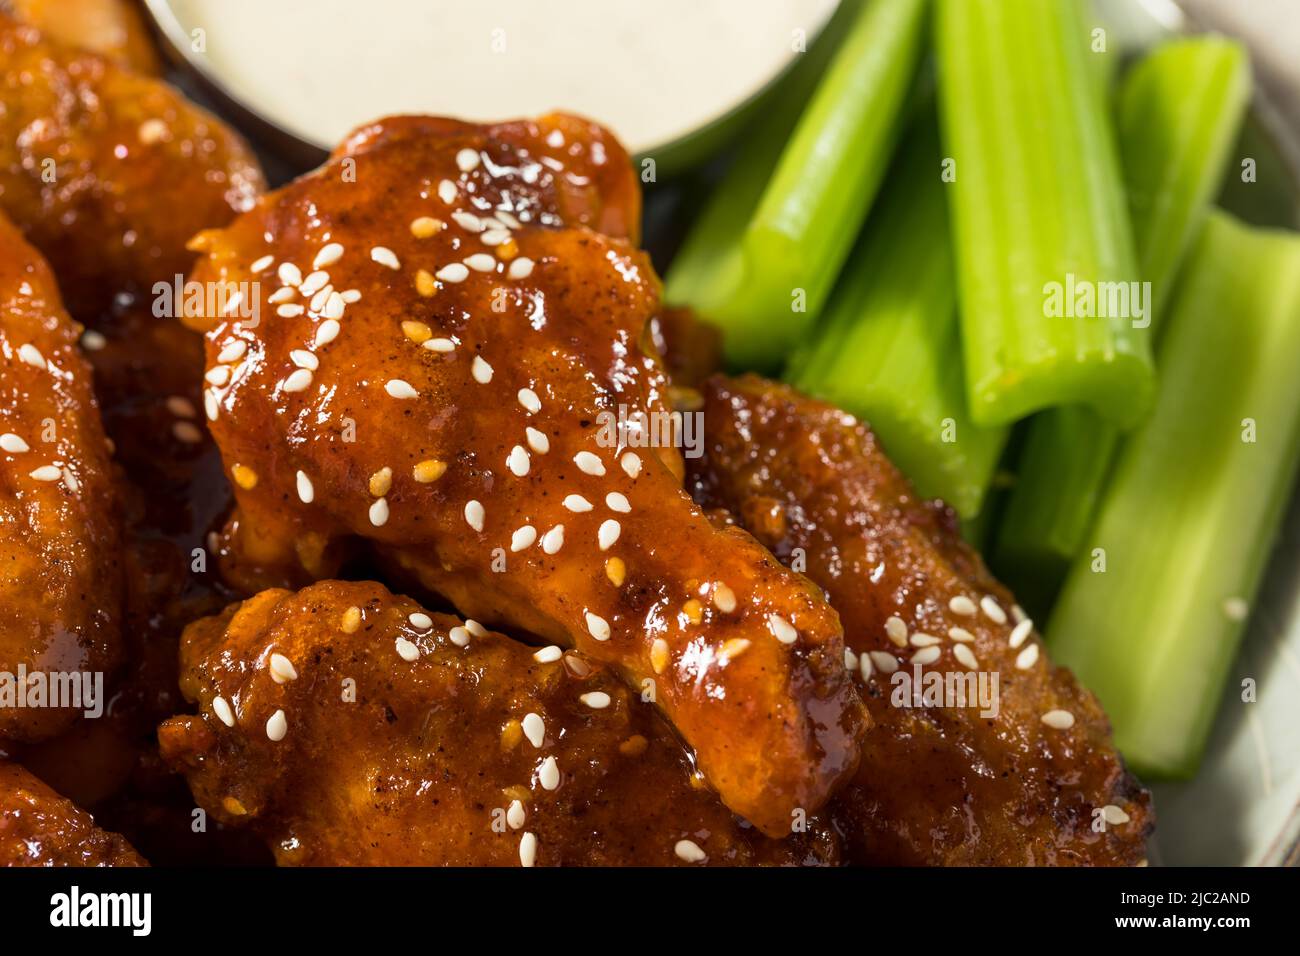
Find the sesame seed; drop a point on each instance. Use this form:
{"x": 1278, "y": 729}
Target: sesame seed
{"x": 286, "y": 294}
{"x": 896, "y": 630}
{"x": 515, "y": 815}
{"x": 397, "y": 388}
{"x": 350, "y": 296}
{"x": 589, "y": 463}
{"x": 468, "y": 221}
{"x": 1236, "y": 609}
{"x": 733, "y": 648}
{"x": 379, "y": 512}
{"x": 961, "y": 635}
{"x": 689, "y": 851}
{"x": 440, "y": 345}
{"x": 1114, "y": 815}
{"x": 13, "y": 444}
{"x": 596, "y": 700}
{"x": 481, "y": 370}
{"x": 616, "y": 571}
{"x": 520, "y": 268}
{"x": 921, "y": 639}
{"x": 322, "y": 298}
{"x": 782, "y": 629}
{"x": 528, "y": 842}
{"x": 1018, "y": 613}
{"x": 304, "y": 359}
{"x": 577, "y": 503}
{"x": 631, "y": 463}
{"x": 282, "y": 669}
{"x": 417, "y": 332}
{"x": 965, "y": 656}
{"x": 70, "y": 481}
{"x": 406, "y": 650}
{"x": 351, "y": 620}
{"x": 314, "y": 283}
{"x": 385, "y": 257}
{"x": 549, "y": 654}
{"x": 467, "y": 160}
{"x": 210, "y": 406}
{"x": 865, "y": 667}
{"x": 262, "y": 264}
{"x": 537, "y": 441}
{"x": 534, "y": 729}
{"x": 233, "y": 304}
{"x": 475, "y": 628}
{"x": 608, "y": 534}
{"x": 277, "y": 726}
{"x": 222, "y": 709}
{"x": 553, "y": 540}
{"x": 244, "y": 476}
{"x": 724, "y": 599}
{"x": 507, "y": 249}
{"x": 850, "y": 660}
{"x": 306, "y": 491}
{"x": 548, "y": 774}
{"x": 298, "y": 380}
{"x": 425, "y": 226}
{"x": 31, "y": 355}
{"x": 481, "y": 262}
{"x": 290, "y": 274}
{"x": 93, "y": 341}
{"x": 474, "y": 514}
{"x": 420, "y": 621}
{"x": 426, "y": 472}
{"x": 528, "y": 398}
{"x": 517, "y": 461}
{"x": 233, "y": 351}
{"x": 495, "y": 237}
{"x": 334, "y": 306}
{"x": 328, "y": 255}
{"x": 217, "y": 375}
{"x": 885, "y": 662}
{"x": 523, "y": 538}
{"x": 962, "y": 605}
{"x": 597, "y": 626}
{"x": 1020, "y": 633}
{"x": 327, "y": 332}
{"x": 926, "y": 655}
{"x": 459, "y": 636}
{"x": 1059, "y": 719}
{"x": 425, "y": 284}
{"x": 152, "y": 131}
{"x": 447, "y": 191}
{"x": 617, "y": 502}
{"x": 507, "y": 220}
{"x": 1027, "y": 658}
{"x": 993, "y": 610}
{"x": 659, "y": 655}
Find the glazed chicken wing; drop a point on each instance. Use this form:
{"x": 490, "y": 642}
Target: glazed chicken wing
{"x": 1028, "y": 777}
{"x": 113, "y": 28}
{"x": 60, "y": 580}
{"x": 40, "y": 828}
{"x": 108, "y": 172}
{"x": 445, "y": 343}
{"x": 347, "y": 726}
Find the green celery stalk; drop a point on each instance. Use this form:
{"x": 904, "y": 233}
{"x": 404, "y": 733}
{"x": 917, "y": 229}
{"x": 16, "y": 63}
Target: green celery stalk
{"x": 766, "y": 250}
{"x": 888, "y": 348}
{"x": 1037, "y": 200}
{"x": 1180, "y": 109}
{"x": 1193, "y": 505}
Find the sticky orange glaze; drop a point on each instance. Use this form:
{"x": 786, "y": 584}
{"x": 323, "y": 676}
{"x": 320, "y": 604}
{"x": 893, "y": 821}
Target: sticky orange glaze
{"x": 943, "y": 785}
{"x": 438, "y": 391}
{"x": 347, "y": 726}
{"x": 40, "y": 828}
{"x": 113, "y": 28}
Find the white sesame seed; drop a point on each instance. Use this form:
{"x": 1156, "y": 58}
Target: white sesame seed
{"x": 186, "y": 432}
{"x": 262, "y": 264}
{"x": 481, "y": 370}
{"x": 921, "y": 639}
{"x": 520, "y": 268}
{"x": 517, "y": 461}
{"x": 467, "y": 160}
{"x": 689, "y": 851}
{"x": 597, "y": 626}
{"x": 31, "y": 355}
{"x": 210, "y": 406}
{"x": 515, "y": 815}
{"x": 322, "y": 298}
{"x": 537, "y": 441}
{"x": 481, "y": 262}
{"x": 885, "y": 662}
{"x": 926, "y": 655}
{"x": 596, "y": 700}
{"x": 549, "y": 654}
{"x": 385, "y": 257}
{"x": 782, "y": 629}
{"x": 553, "y": 540}
{"x": 47, "y": 473}
{"x": 993, "y": 610}
{"x": 617, "y": 502}
{"x": 282, "y": 669}
{"x": 608, "y": 534}
{"x": 507, "y": 220}
{"x": 93, "y": 341}
{"x": 459, "y": 636}
{"x": 1114, "y": 815}
{"x": 379, "y": 512}
{"x": 961, "y": 635}
{"x": 335, "y": 306}
{"x": 298, "y": 381}
{"x": 406, "y": 650}
{"x": 548, "y": 774}
{"x": 1020, "y": 633}
{"x": 328, "y": 255}
{"x": 1027, "y": 658}
{"x": 222, "y": 709}
{"x": 475, "y": 628}
{"x": 1059, "y": 719}
{"x": 304, "y": 359}
{"x": 1018, "y": 613}
{"x": 589, "y": 463}
{"x": 965, "y": 656}
{"x": 70, "y": 480}
{"x": 440, "y": 345}
{"x": 534, "y": 729}
{"x": 217, "y": 375}
{"x": 523, "y": 538}
{"x": 277, "y": 725}
{"x": 962, "y": 605}
{"x": 233, "y": 351}
{"x": 290, "y": 311}
{"x": 631, "y": 463}
{"x": 528, "y": 842}
{"x": 233, "y": 303}
{"x": 896, "y": 630}
{"x": 290, "y": 274}
{"x": 724, "y": 599}
{"x": 349, "y": 296}
{"x": 400, "y": 389}
{"x": 314, "y": 283}
{"x": 327, "y": 333}
{"x": 850, "y": 660}
{"x": 468, "y": 221}
{"x": 865, "y": 667}
{"x": 494, "y": 237}
{"x": 474, "y": 514}
{"x": 447, "y": 191}
{"x": 306, "y": 490}
{"x": 528, "y": 398}
{"x": 13, "y": 444}
{"x": 577, "y": 503}
{"x": 286, "y": 294}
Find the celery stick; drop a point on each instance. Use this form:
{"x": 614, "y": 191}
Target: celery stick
{"x": 1180, "y": 109}
{"x": 1038, "y": 203}
{"x": 765, "y": 253}
{"x": 1194, "y": 503}
{"x": 888, "y": 348}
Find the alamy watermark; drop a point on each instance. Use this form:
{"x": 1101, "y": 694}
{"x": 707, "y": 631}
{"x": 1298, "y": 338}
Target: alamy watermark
{"x": 38, "y": 690}
{"x": 1077, "y": 298}
{"x": 637, "y": 428}
{"x": 212, "y": 300}
{"x": 935, "y": 688}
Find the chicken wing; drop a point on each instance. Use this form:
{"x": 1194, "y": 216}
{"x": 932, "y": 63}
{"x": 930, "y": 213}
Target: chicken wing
{"x": 40, "y": 828}
{"x": 60, "y": 580}
{"x": 114, "y": 29}
{"x": 348, "y": 726}
{"x": 108, "y": 172}
{"x": 1029, "y": 775}
{"x": 444, "y": 345}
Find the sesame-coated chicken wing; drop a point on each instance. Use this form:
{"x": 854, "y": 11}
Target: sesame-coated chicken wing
{"x": 60, "y": 580}
{"x": 347, "y": 726}
{"x": 40, "y": 828}
{"x": 451, "y": 321}
{"x": 108, "y": 172}
{"x": 1029, "y": 776}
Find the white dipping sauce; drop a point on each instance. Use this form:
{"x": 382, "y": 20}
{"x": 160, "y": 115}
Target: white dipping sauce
{"x": 651, "y": 70}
